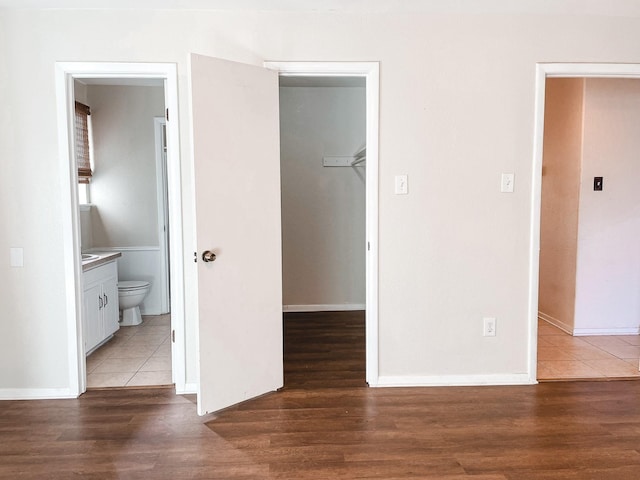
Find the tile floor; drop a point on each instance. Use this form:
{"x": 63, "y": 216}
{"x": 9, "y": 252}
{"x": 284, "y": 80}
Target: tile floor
{"x": 135, "y": 356}
{"x": 564, "y": 357}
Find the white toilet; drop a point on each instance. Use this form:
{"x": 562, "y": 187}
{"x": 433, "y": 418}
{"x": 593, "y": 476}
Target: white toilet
{"x": 131, "y": 293}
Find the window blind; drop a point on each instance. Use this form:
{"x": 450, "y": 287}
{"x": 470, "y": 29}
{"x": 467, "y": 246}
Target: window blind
{"x": 82, "y": 143}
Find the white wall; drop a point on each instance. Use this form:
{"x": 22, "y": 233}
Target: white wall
{"x": 323, "y": 208}
{"x": 562, "y": 162}
{"x": 123, "y": 187}
{"x": 456, "y": 110}
{"x": 608, "y": 269}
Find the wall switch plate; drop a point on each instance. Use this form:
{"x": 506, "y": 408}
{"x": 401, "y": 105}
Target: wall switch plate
{"x": 597, "y": 184}
{"x": 401, "y": 185}
{"x": 16, "y": 256}
{"x": 506, "y": 182}
{"x": 489, "y": 327}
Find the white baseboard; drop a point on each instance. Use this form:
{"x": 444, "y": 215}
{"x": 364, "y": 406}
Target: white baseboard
{"x": 606, "y": 331}
{"x": 35, "y": 393}
{"x": 340, "y": 307}
{"x": 188, "y": 389}
{"x": 454, "y": 380}
{"x": 581, "y": 332}
{"x": 565, "y": 327}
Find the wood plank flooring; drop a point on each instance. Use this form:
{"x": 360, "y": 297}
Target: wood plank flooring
{"x": 324, "y": 349}
{"x": 577, "y": 431}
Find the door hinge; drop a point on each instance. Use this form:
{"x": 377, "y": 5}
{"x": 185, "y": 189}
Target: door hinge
{"x": 368, "y": 246}
{"x": 195, "y": 257}
{"x": 173, "y": 336}
{"x": 167, "y": 114}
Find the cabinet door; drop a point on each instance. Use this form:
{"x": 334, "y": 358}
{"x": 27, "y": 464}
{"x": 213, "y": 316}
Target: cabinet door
{"x": 110, "y": 310}
{"x": 93, "y": 326}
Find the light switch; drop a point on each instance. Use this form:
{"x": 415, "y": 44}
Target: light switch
{"x": 597, "y": 184}
{"x": 17, "y": 257}
{"x": 506, "y": 183}
{"x": 402, "y": 186}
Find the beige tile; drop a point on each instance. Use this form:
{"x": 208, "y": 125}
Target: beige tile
{"x": 100, "y": 354}
{"x": 113, "y": 365}
{"x": 94, "y": 360}
{"x": 156, "y": 364}
{"x": 133, "y": 351}
{"x": 146, "y": 346}
{"x": 622, "y": 351}
{"x": 554, "y": 353}
{"x": 588, "y": 352}
{"x": 151, "y": 340}
{"x": 163, "y": 350}
{"x": 543, "y": 342}
{"x": 631, "y": 339}
{"x": 565, "y": 340}
{"x": 98, "y": 380}
{"x": 633, "y": 361}
{"x": 614, "y": 368}
{"x": 547, "y": 329}
{"x": 602, "y": 340}
{"x": 157, "y": 320}
{"x": 150, "y": 378}
{"x": 126, "y": 331}
{"x": 155, "y": 330}
{"x": 545, "y": 370}
{"x": 116, "y": 340}
{"x": 571, "y": 369}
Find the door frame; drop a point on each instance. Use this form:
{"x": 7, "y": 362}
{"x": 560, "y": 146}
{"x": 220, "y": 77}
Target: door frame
{"x": 544, "y": 71}
{"x": 163, "y": 214}
{"x": 65, "y": 74}
{"x": 371, "y": 73}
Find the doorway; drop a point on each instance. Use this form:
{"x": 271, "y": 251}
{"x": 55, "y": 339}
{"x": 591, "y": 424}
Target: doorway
{"x": 163, "y": 75}
{"x": 240, "y": 342}
{"x": 354, "y": 74}
{"x": 125, "y": 213}
{"x": 584, "y": 324}
{"x": 323, "y": 166}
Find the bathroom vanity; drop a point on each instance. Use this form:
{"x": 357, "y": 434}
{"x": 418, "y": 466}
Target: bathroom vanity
{"x": 100, "y": 298}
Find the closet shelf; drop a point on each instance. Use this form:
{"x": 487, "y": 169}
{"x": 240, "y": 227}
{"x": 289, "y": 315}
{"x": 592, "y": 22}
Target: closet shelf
{"x": 356, "y": 160}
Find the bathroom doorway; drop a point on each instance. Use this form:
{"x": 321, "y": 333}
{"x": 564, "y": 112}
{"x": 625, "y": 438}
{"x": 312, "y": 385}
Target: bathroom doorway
{"x": 134, "y": 195}
{"x": 126, "y": 212}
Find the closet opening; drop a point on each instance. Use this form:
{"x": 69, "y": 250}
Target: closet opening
{"x": 323, "y": 168}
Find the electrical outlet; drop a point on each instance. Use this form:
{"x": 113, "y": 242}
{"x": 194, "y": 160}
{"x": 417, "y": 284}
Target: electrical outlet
{"x": 489, "y": 324}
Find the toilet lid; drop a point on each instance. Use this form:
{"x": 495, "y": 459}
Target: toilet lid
{"x": 132, "y": 284}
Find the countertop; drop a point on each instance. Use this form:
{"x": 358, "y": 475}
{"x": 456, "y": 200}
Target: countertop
{"x": 100, "y": 259}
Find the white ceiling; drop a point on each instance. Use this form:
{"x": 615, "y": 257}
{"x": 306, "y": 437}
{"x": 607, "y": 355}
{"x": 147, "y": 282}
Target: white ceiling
{"x": 630, "y": 8}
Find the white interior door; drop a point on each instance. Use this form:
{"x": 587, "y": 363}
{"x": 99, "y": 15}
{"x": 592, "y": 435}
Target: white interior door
{"x": 237, "y": 183}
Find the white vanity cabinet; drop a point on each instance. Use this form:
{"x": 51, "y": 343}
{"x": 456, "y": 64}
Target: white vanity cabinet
{"x": 100, "y": 300}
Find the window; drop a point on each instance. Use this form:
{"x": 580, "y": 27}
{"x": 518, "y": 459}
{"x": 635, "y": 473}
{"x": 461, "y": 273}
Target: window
{"x": 83, "y": 156}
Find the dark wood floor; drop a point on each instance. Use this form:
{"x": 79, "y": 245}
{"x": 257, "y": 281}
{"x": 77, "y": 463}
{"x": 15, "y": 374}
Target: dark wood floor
{"x": 324, "y": 350}
{"x": 577, "y": 431}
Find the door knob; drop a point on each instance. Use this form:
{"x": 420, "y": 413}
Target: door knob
{"x": 208, "y": 256}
